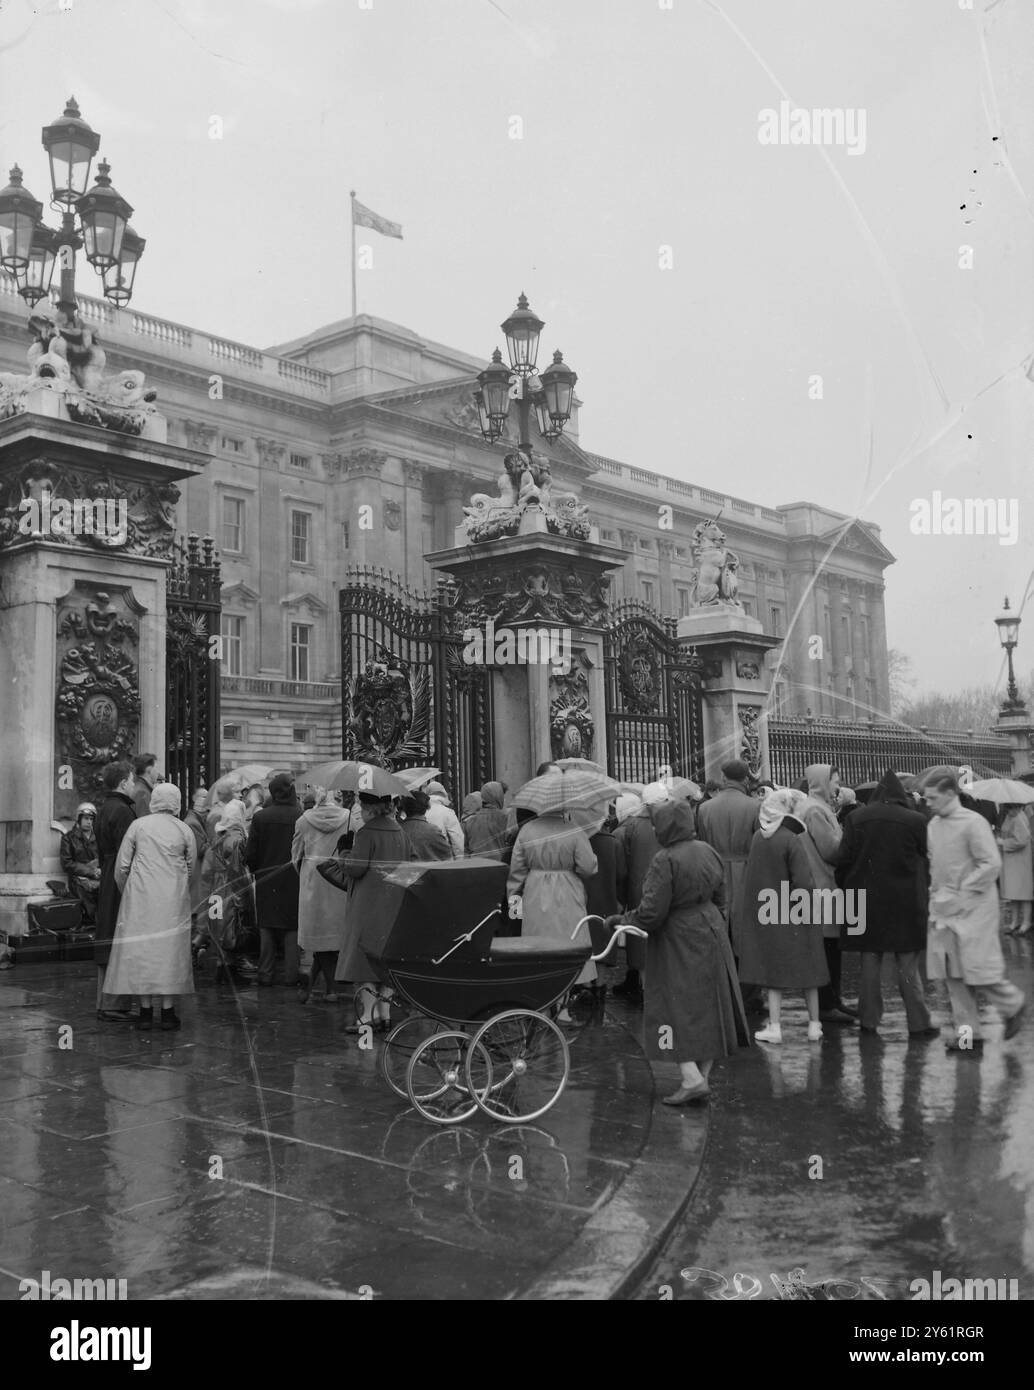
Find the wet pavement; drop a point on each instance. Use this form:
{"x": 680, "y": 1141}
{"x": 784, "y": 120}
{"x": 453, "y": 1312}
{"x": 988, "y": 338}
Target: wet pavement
{"x": 927, "y": 1163}
{"x": 259, "y": 1154}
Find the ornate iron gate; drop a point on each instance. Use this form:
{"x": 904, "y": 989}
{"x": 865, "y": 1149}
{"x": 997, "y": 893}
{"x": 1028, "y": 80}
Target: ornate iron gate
{"x": 654, "y": 707}
{"x": 408, "y": 699}
{"x": 192, "y": 674}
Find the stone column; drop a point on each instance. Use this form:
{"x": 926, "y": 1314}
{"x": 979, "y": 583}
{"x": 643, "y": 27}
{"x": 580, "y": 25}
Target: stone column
{"x": 413, "y": 474}
{"x": 271, "y": 540}
{"x": 878, "y": 627}
{"x": 666, "y": 594}
{"x": 82, "y": 627}
{"x": 858, "y": 650}
{"x": 836, "y": 611}
{"x": 627, "y": 579}
{"x": 809, "y": 671}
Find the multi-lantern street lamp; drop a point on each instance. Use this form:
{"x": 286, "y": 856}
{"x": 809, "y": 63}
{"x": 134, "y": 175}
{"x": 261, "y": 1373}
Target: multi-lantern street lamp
{"x": 1008, "y": 624}
{"x": 550, "y": 394}
{"x": 29, "y": 248}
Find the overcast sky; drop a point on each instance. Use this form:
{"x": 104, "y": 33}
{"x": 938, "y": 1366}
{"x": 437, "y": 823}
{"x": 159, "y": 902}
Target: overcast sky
{"x": 639, "y": 130}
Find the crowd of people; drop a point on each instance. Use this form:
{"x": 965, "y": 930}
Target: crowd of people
{"x": 738, "y": 890}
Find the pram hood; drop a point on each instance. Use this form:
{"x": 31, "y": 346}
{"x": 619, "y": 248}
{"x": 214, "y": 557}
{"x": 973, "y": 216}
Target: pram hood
{"x": 420, "y": 907}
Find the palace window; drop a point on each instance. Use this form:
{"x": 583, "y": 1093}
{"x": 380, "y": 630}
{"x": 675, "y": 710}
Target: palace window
{"x": 748, "y": 606}
{"x": 231, "y": 446}
{"x": 233, "y": 644}
{"x": 302, "y": 461}
{"x": 301, "y": 538}
{"x": 775, "y": 616}
{"x": 231, "y": 732}
{"x": 647, "y": 591}
{"x": 683, "y": 600}
{"x": 233, "y": 524}
{"x": 300, "y": 735}
{"x": 301, "y": 648}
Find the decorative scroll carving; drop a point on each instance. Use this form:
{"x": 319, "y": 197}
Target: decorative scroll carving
{"x": 571, "y": 726}
{"x": 200, "y": 435}
{"x": 462, "y": 414}
{"x": 539, "y": 590}
{"x": 100, "y": 511}
{"x": 271, "y": 452}
{"x": 413, "y": 472}
{"x": 98, "y": 697}
{"x": 750, "y": 748}
{"x": 392, "y": 514}
{"x": 363, "y": 462}
{"x": 390, "y": 706}
{"x": 640, "y": 674}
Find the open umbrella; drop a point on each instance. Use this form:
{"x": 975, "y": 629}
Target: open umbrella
{"x": 682, "y": 789}
{"x": 348, "y": 776}
{"x": 416, "y": 777}
{"x": 240, "y": 777}
{"x": 1003, "y": 791}
{"x": 583, "y": 765}
{"x": 564, "y": 791}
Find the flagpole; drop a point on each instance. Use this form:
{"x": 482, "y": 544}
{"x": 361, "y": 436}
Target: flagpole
{"x": 352, "y": 196}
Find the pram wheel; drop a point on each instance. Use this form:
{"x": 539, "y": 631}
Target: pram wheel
{"x": 435, "y": 1083}
{"x": 517, "y": 1065}
{"x": 399, "y": 1046}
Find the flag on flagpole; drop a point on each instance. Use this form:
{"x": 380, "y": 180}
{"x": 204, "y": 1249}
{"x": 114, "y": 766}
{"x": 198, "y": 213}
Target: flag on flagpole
{"x": 363, "y": 217}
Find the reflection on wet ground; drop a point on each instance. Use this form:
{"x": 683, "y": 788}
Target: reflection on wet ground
{"x": 258, "y": 1153}
{"x": 926, "y": 1161}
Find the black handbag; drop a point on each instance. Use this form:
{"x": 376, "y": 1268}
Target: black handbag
{"x": 333, "y": 871}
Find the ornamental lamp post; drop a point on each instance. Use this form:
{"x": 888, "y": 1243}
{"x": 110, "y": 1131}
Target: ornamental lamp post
{"x": 551, "y": 394}
{"x": 1008, "y": 624}
{"x": 28, "y": 247}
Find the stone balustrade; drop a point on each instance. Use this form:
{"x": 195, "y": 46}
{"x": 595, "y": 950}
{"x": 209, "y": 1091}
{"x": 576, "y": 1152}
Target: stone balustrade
{"x": 298, "y": 690}
{"x": 640, "y": 477}
{"x": 124, "y": 329}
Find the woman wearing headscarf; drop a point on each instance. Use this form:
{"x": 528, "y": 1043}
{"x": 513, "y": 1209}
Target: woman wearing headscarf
{"x": 692, "y": 998}
{"x": 551, "y": 861}
{"x": 150, "y": 955}
{"x": 640, "y": 845}
{"x": 775, "y": 953}
{"x": 822, "y": 845}
{"x": 471, "y": 806}
{"x": 486, "y": 834}
{"x": 379, "y": 840}
{"x": 316, "y": 834}
{"x": 883, "y": 856}
{"x": 225, "y": 888}
{"x": 1016, "y": 883}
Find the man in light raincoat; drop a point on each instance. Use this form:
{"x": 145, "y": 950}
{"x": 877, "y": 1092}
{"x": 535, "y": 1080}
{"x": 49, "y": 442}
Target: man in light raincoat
{"x": 963, "y": 947}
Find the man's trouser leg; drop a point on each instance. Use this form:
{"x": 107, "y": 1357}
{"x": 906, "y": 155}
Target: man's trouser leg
{"x": 911, "y": 987}
{"x": 964, "y": 1012}
{"x": 870, "y": 996}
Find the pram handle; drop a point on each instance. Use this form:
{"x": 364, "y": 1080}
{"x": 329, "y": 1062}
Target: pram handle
{"x": 467, "y": 936}
{"x": 618, "y": 932}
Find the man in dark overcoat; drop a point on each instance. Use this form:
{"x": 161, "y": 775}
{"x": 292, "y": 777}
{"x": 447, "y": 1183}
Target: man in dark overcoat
{"x": 276, "y": 879}
{"x": 883, "y": 854}
{"x": 116, "y": 815}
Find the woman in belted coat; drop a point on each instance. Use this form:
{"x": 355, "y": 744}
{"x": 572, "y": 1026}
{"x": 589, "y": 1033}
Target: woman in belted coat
{"x": 379, "y": 840}
{"x": 692, "y": 997}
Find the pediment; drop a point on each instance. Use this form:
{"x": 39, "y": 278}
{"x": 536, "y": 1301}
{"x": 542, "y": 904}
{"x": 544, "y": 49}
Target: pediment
{"x": 859, "y": 539}
{"x": 238, "y": 593}
{"x": 305, "y": 600}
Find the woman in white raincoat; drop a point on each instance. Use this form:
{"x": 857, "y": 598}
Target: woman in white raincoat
{"x": 964, "y": 948}
{"x": 150, "y": 954}
{"x": 316, "y": 836}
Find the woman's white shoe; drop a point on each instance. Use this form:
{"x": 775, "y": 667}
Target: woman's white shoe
{"x": 771, "y": 1033}
{"x": 814, "y": 1032}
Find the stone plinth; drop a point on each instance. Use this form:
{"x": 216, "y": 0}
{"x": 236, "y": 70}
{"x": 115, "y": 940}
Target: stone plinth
{"x": 736, "y": 685}
{"x": 1018, "y": 727}
{"x": 82, "y": 628}
{"x": 533, "y": 608}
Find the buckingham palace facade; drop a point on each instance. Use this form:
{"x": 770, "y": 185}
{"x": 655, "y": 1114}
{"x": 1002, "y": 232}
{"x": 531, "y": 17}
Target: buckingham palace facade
{"x": 359, "y": 445}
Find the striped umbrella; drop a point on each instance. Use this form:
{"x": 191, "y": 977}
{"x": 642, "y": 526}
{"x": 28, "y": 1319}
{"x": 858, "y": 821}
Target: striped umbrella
{"x": 564, "y": 791}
